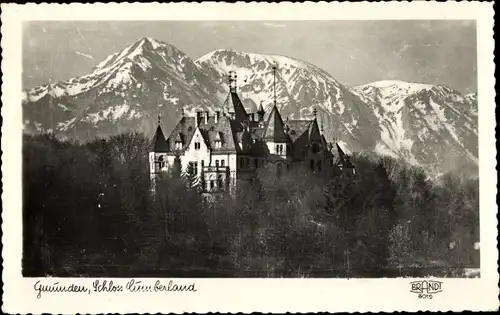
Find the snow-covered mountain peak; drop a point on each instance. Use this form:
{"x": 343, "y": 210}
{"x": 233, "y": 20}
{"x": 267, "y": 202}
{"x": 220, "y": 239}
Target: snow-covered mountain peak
{"x": 228, "y": 57}
{"x": 296, "y": 80}
{"x": 140, "y": 53}
{"x": 425, "y": 124}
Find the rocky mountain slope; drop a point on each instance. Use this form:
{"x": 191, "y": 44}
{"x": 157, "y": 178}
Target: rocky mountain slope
{"x": 425, "y": 124}
{"x": 125, "y": 92}
{"x": 300, "y": 87}
{"x": 434, "y": 126}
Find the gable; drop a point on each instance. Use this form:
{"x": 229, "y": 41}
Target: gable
{"x": 198, "y": 138}
{"x": 314, "y": 133}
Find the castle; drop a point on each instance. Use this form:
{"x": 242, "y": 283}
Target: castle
{"x": 230, "y": 145}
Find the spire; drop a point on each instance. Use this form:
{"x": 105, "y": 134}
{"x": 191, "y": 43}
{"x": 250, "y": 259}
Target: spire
{"x": 274, "y": 83}
{"x": 159, "y": 142}
{"x": 275, "y": 128}
{"x": 233, "y": 104}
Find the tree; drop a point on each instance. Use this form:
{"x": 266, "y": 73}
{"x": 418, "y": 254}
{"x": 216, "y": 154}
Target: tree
{"x": 176, "y": 171}
{"x": 400, "y": 248}
{"x": 190, "y": 178}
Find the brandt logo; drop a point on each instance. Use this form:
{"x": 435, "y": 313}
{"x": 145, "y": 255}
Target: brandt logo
{"x": 426, "y": 288}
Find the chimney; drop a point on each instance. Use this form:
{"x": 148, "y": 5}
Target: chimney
{"x": 198, "y": 118}
{"x": 206, "y": 117}
{"x": 217, "y": 115}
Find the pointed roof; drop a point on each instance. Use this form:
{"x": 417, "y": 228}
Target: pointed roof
{"x": 210, "y": 131}
{"x": 234, "y": 105}
{"x": 298, "y": 127}
{"x": 314, "y": 132}
{"x": 159, "y": 142}
{"x": 275, "y": 128}
{"x": 217, "y": 136}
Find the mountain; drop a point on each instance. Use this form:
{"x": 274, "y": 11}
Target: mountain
{"x": 125, "y": 92}
{"x": 429, "y": 125}
{"x": 300, "y": 88}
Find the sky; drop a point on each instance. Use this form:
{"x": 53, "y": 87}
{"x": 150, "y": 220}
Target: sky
{"x": 353, "y": 52}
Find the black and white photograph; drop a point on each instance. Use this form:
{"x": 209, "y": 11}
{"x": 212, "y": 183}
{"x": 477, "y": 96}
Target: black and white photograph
{"x": 201, "y": 149}
{"x": 241, "y": 149}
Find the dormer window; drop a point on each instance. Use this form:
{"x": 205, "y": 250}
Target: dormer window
{"x": 178, "y": 142}
{"x": 197, "y": 145}
{"x": 218, "y": 140}
{"x": 178, "y": 145}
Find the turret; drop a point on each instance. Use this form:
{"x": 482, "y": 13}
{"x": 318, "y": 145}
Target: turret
{"x": 157, "y": 158}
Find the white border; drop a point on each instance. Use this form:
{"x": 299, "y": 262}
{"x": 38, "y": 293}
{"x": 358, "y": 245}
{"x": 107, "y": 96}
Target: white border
{"x": 249, "y": 295}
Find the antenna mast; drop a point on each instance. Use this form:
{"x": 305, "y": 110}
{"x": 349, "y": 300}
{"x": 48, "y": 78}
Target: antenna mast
{"x": 274, "y": 83}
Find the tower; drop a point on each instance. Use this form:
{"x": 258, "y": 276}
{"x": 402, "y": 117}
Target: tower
{"x": 157, "y": 156}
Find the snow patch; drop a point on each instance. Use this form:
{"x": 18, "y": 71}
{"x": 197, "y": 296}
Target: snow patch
{"x": 64, "y": 107}
{"x": 112, "y": 113}
{"x": 63, "y": 126}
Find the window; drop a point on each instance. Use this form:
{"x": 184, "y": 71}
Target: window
{"x": 256, "y": 163}
{"x": 216, "y": 163}
{"x": 212, "y": 184}
{"x": 222, "y": 163}
{"x": 218, "y": 144}
{"x": 178, "y": 145}
{"x": 193, "y": 168}
{"x": 202, "y": 165}
{"x": 319, "y": 166}
{"x": 312, "y": 165}
{"x": 161, "y": 162}
{"x": 247, "y": 162}
{"x": 242, "y": 162}
{"x": 197, "y": 145}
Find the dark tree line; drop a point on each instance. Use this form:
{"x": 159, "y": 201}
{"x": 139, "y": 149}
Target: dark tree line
{"x": 88, "y": 210}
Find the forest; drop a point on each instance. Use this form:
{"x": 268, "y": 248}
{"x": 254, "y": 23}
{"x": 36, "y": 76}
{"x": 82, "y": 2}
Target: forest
{"x": 88, "y": 211}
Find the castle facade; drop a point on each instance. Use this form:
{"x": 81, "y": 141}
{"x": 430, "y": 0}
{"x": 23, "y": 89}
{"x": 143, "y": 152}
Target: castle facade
{"x": 227, "y": 146}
